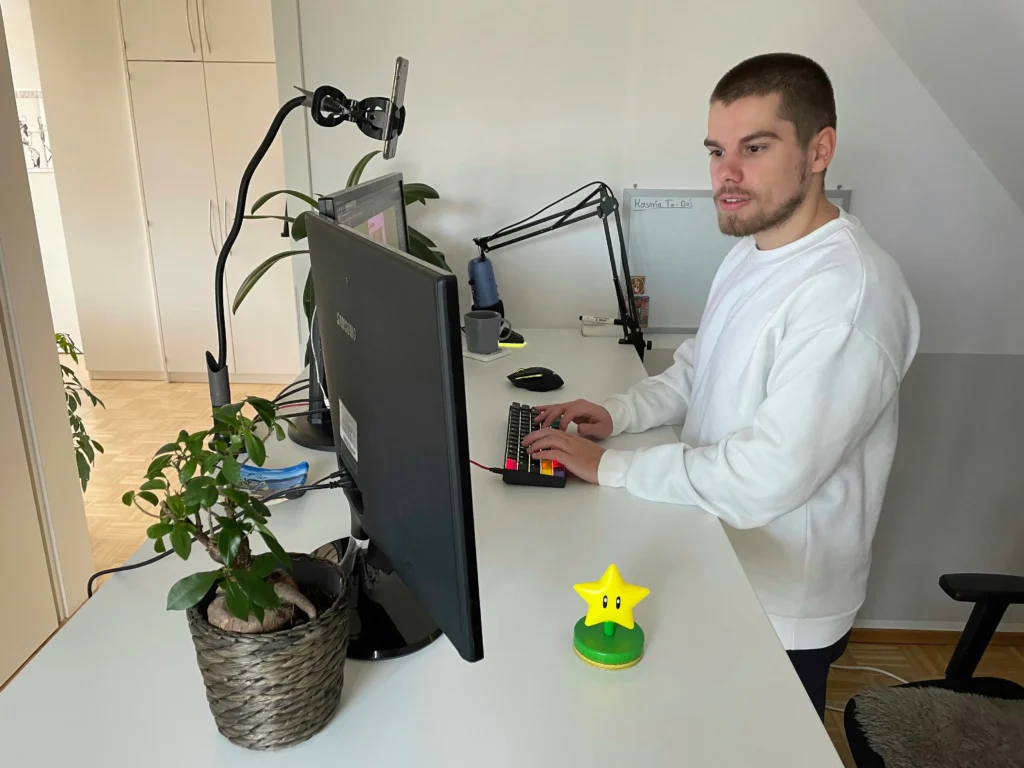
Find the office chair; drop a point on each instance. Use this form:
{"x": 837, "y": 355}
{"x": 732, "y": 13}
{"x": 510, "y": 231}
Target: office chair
{"x": 944, "y": 724}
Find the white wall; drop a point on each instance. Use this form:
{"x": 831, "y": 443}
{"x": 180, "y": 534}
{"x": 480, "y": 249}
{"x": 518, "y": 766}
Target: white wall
{"x": 511, "y": 106}
{"x": 81, "y": 66}
{"x": 952, "y": 47}
{"x": 25, "y": 72}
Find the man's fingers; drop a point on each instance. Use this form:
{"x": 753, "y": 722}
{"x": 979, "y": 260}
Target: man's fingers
{"x": 554, "y": 455}
{"x": 544, "y": 439}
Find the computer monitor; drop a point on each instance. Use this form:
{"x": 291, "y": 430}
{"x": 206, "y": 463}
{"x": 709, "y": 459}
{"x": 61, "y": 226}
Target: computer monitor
{"x": 377, "y": 209}
{"x": 392, "y": 350}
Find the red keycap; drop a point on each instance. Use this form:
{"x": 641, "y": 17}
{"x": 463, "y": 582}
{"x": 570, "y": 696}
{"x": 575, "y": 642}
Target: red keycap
{"x": 511, "y": 464}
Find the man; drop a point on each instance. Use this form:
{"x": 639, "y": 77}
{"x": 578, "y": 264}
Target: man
{"x": 788, "y": 395}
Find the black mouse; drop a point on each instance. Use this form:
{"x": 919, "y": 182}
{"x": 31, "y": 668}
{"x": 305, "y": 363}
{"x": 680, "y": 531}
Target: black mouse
{"x": 536, "y": 379}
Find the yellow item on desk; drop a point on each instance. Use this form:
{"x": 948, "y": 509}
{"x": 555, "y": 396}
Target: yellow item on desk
{"x": 611, "y": 599}
{"x": 512, "y": 344}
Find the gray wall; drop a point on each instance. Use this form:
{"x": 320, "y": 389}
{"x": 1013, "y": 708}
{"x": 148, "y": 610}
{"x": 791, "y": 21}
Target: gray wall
{"x": 955, "y": 500}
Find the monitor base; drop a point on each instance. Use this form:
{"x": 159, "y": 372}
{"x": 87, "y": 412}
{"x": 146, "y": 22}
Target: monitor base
{"x": 317, "y": 437}
{"x": 385, "y": 618}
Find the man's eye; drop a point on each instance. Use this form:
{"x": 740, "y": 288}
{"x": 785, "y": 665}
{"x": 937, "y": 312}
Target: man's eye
{"x": 755, "y": 148}
{"x": 716, "y": 153}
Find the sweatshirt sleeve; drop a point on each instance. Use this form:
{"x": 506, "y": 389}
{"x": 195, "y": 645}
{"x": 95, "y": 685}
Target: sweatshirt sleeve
{"x": 657, "y": 400}
{"x": 824, "y": 393}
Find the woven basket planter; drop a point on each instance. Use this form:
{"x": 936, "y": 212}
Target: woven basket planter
{"x": 273, "y": 690}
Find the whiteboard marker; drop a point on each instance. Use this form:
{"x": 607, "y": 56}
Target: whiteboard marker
{"x": 592, "y": 320}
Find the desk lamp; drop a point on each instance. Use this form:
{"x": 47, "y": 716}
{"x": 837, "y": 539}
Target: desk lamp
{"x": 377, "y": 117}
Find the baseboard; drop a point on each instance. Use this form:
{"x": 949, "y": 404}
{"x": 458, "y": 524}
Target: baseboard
{"x": 1012, "y": 636}
{"x": 128, "y": 375}
{"x": 188, "y": 377}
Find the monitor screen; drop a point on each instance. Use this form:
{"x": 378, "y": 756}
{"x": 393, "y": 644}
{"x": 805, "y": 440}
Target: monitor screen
{"x": 375, "y": 208}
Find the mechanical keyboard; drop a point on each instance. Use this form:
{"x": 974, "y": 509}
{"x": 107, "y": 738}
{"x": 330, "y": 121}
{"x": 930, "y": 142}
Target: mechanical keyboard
{"x": 520, "y": 468}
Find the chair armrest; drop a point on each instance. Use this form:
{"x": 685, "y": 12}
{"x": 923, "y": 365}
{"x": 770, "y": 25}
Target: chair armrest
{"x": 983, "y": 587}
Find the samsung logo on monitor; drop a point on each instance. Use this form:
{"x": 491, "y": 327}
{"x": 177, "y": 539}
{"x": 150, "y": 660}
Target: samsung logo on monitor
{"x": 347, "y": 327}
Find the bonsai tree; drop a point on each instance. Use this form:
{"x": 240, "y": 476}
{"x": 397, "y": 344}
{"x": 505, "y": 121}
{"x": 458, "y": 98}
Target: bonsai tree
{"x": 85, "y": 447}
{"x": 194, "y": 489}
{"x": 420, "y": 245}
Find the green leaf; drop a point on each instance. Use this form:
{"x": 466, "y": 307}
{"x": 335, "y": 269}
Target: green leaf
{"x": 229, "y": 540}
{"x": 158, "y": 529}
{"x": 236, "y": 601}
{"x": 159, "y": 547}
{"x": 419, "y": 248}
{"x": 266, "y": 410}
{"x": 182, "y": 436}
{"x": 83, "y": 470}
{"x": 255, "y": 448}
{"x": 423, "y": 238}
{"x": 97, "y": 446}
{"x": 169, "y": 448}
{"x": 181, "y": 540}
{"x": 260, "y": 508}
{"x": 253, "y": 277}
{"x": 232, "y": 472}
{"x": 264, "y": 565}
{"x": 270, "y": 195}
{"x": 299, "y": 227}
{"x": 278, "y": 432}
{"x": 256, "y": 589}
{"x": 127, "y": 498}
{"x": 148, "y": 496}
{"x": 176, "y": 504}
{"x": 236, "y": 495}
{"x": 210, "y": 462}
{"x": 419, "y": 193}
{"x": 86, "y": 448}
{"x": 357, "y": 171}
{"x": 156, "y": 484}
{"x": 189, "y": 469}
{"x": 274, "y": 546}
{"x": 257, "y": 611}
{"x": 158, "y": 465}
{"x": 190, "y": 590}
{"x": 210, "y": 496}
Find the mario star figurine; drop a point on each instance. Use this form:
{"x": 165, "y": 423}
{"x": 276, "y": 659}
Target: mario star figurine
{"x": 607, "y": 637}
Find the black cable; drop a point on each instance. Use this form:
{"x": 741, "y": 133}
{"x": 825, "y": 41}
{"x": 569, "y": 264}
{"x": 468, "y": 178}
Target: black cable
{"x": 293, "y": 388}
{"x": 346, "y": 482}
{"x": 236, "y": 226}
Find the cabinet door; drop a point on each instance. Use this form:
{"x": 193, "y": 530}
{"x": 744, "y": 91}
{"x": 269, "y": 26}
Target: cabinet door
{"x": 161, "y": 30}
{"x": 173, "y": 131}
{"x": 243, "y": 101}
{"x": 237, "y": 30}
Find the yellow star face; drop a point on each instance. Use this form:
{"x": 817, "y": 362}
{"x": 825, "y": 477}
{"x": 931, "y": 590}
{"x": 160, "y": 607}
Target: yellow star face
{"x": 611, "y": 599}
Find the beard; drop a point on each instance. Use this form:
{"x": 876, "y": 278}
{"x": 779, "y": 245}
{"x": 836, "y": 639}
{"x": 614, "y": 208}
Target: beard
{"x": 735, "y": 225}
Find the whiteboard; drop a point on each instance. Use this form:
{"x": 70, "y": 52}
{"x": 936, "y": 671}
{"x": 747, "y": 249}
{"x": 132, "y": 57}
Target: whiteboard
{"x": 672, "y": 239}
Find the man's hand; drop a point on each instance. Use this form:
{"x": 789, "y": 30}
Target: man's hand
{"x": 577, "y": 454}
{"x": 592, "y": 420}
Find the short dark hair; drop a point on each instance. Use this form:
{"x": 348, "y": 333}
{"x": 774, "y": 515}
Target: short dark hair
{"x": 805, "y": 90}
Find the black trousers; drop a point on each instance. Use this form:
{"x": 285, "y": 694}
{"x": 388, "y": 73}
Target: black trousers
{"x": 812, "y": 668}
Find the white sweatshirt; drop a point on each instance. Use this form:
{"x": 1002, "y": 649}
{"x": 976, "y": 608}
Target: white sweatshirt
{"x": 788, "y": 402}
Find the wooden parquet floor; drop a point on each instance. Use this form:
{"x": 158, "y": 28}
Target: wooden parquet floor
{"x": 139, "y": 417}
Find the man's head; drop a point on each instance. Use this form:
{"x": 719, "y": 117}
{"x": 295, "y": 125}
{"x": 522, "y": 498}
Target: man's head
{"x": 771, "y": 133}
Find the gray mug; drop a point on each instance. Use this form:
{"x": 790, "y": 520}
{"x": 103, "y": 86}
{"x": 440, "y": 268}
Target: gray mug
{"x": 484, "y": 329}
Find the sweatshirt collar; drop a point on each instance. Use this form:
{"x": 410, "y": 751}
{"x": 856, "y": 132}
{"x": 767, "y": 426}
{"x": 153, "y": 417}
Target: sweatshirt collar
{"x": 818, "y": 236}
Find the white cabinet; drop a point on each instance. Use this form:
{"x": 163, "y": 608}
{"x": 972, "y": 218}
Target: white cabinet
{"x": 161, "y": 30}
{"x": 197, "y": 30}
{"x": 173, "y": 133}
{"x": 266, "y": 327}
{"x": 237, "y": 30}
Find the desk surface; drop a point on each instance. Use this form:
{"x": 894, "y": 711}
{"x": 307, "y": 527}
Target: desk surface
{"x": 119, "y": 685}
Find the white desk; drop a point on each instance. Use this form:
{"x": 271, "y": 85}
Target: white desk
{"x": 119, "y": 685}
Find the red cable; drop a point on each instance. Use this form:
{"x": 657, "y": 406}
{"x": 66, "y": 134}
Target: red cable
{"x": 478, "y": 464}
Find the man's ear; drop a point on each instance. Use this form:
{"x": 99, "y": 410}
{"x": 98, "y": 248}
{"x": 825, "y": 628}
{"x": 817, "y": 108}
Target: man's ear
{"x": 822, "y": 149}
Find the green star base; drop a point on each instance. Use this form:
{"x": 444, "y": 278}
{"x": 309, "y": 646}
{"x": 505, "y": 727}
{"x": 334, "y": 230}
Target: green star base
{"x": 618, "y": 648}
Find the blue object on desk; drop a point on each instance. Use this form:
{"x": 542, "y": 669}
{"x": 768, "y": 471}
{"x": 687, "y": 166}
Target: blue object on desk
{"x": 273, "y": 480}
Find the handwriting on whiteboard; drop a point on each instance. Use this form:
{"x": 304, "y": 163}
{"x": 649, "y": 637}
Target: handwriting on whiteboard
{"x": 661, "y": 203}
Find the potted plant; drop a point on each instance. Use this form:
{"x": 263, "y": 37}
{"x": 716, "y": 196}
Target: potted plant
{"x": 85, "y": 447}
{"x": 420, "y": 245}
{"x": 270, "y": 630}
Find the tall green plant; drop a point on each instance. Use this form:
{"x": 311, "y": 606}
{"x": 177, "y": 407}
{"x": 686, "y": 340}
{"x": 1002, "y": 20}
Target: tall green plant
{"x": 85, "y": 447}
{"x": 420, "y": 245}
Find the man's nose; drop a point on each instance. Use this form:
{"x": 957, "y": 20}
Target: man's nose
{"x": 729, "y": 171}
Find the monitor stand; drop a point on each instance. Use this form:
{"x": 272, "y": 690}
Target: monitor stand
{"x": 385, "y": 618}
{"x": 317, "y": 437}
